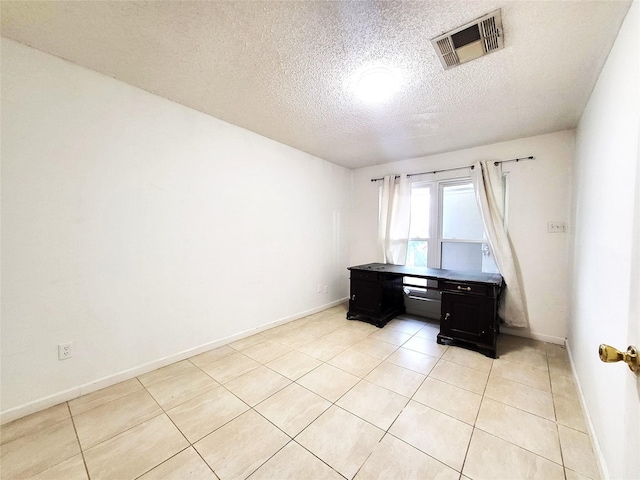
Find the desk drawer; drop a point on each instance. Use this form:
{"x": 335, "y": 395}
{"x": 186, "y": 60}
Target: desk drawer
{"x": 364, "y": 275}
{"x": 462, "y": 287}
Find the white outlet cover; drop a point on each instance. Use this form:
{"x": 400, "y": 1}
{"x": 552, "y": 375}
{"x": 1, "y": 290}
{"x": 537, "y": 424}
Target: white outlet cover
{"x": 65, "y": 350}
{"x": 556, "y": 227}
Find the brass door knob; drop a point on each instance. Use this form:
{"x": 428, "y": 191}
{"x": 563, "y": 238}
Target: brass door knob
{"x": 630, "y": 357}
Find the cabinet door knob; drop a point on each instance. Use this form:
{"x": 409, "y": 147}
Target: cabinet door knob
{"x": 353, "y": 297}
{"x": 446, "y": 316}
{"x": 468, "y": 289}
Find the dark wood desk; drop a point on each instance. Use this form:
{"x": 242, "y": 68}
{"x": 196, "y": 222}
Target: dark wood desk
{"x": 469, "y": 308}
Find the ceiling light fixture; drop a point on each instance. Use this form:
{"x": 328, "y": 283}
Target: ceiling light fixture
{"x": 375, "y": 85}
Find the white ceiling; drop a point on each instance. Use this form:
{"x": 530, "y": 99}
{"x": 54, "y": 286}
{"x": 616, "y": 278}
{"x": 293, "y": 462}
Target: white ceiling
{"x": 284, "y": 69}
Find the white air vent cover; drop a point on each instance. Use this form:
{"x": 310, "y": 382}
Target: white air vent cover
{"x": 470, "y": 41}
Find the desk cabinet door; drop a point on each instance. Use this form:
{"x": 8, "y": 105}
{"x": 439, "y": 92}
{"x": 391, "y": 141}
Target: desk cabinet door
{"x": 365, "y": 298}
{"x": 468, "y": 317}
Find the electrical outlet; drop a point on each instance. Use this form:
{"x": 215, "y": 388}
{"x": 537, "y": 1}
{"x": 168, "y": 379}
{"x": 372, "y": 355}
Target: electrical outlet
{"x": 556, "y": 227}
{"x": 326, "y": 289}
{"x": 319, "y": 289}
{"x": 65, "y": 350}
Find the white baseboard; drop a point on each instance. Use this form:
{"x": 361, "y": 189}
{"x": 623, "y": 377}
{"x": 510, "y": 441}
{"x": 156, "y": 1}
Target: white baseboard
{"x": 602, "y": 466}
{"x": 526, "y": 333}
{"x": 425, "y": 309}
{"x": 98, "y": 384}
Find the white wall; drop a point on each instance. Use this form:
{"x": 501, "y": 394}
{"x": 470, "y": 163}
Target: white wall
{"x": 138, "y": 229}
{"x": 605, "y": 251}
{"x": 539, "y": 192}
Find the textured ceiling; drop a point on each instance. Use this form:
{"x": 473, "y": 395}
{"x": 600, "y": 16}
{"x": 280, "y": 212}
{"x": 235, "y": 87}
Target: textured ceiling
{"x": 285, "y": 69}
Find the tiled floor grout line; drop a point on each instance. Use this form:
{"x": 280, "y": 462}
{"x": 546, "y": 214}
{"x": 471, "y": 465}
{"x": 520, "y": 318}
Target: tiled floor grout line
{"x": 84, "y": 461}
{"x": 164, "y": 461}
{"x": 523, "y": 448}
{"x": 82, "y": 449}
{"x": 555, "y": 417}
{"x": 162, "y": 412}
{"x": 28, "y": 433}
{"x": 252, "y": 408}
{"x": 68, "y": 402}
{"x": 291, "y": 438}
{"x": 334, "y": 403}
{"x": 519, "y": 446}
{"x": 205, "y": 462}
{"x": 475, "y": 420}
{"x": 555, "y": 421}
{"x": 416, "y": 448}
{"x": 361, "y": 379}
{"x": 189, "y": 444}
{"x": 385, "y": 432}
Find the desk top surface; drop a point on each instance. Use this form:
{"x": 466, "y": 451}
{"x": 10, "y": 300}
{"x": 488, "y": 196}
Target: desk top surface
{"x": 432, "y": 273}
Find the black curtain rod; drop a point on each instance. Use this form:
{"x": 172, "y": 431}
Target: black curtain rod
{"x": 458, "y": 168}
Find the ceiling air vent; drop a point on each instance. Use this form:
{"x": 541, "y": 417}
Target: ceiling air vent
{"x": 470, "y": 41}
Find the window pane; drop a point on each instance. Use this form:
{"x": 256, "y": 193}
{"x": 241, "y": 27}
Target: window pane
{"x": 460, "y": 217}
{"x": 474, "y": 257}
{"x": 462, "y": 256}
{"x": 417, "y": 253}
{"x": 420, "y": 207}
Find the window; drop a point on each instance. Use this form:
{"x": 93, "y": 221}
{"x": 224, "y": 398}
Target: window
{"x": 418, "y": 248}
{"x": 446, "y": 228}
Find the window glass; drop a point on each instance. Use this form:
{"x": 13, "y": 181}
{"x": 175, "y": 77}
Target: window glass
{"x": 420, "y": 211}
{"x": 460, "y": 216}
{"x": 462, "y": 256}
{"x": 463, "y": 244}
{"x": 418, "y": 248}
{"x": 470, "y": 256}
{"x": 417, "y": 253}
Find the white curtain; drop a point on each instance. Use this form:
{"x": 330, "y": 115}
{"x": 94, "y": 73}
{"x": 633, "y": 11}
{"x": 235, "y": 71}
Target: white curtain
{"x": 487, "y": 183}
{"x": 395, "y": 216}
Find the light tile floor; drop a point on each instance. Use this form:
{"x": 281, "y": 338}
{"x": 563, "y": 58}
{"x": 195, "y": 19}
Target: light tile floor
{"x": 321, "y": 397}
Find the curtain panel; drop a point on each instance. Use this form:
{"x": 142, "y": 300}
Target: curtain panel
{"x": 395, "y": 217}
{"x": 487, "y": 183}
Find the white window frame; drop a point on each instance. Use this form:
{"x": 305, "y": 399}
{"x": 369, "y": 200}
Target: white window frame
{"x": 440, "y": 240}
{"x": 435, "y": 240}
{"x": 432, "y": 213}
